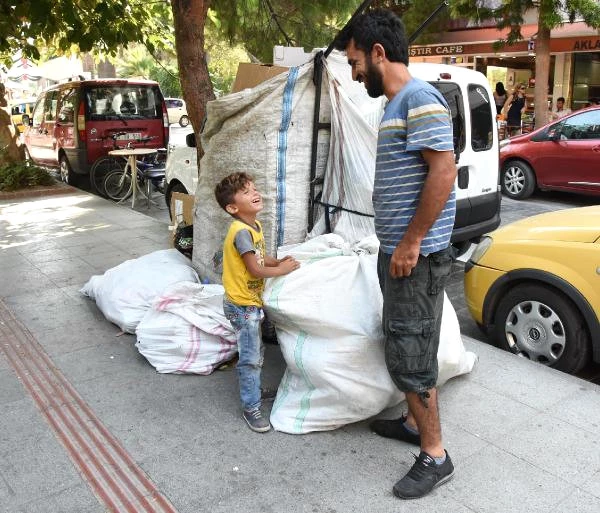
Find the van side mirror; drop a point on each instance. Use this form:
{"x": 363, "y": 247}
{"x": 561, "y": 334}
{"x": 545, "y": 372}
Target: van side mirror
{"x": 26, "y": 120}
{"x": 190, "y": 140}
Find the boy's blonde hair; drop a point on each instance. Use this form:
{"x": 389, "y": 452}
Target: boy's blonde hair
{"x": 227, "y": 188}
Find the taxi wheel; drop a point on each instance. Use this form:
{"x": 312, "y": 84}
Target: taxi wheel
{"x": 541, "y": 324}
{"x": 517, "y": 180}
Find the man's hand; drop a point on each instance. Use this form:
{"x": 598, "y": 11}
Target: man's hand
{"x": 404, "y": 259}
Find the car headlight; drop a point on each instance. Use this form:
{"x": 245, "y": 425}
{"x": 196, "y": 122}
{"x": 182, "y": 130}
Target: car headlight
{"x": 481, "y": 249}
{"x": 504, "y": 142}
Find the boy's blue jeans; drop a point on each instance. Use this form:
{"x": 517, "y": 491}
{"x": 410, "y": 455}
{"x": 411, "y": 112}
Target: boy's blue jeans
{"x": 246, "y": 323}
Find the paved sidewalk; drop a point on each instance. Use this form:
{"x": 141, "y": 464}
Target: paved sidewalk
{"x": 86, "y": 422}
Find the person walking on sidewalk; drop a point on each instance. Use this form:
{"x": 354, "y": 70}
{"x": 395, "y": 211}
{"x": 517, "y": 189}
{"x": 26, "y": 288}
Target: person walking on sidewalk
{"x": 514, "y": 108}
{"x": 245, "y": 266}
{"x": 414, "y": 204}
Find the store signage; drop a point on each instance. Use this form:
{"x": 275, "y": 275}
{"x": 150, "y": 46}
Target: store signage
{"x": 587, "y": 44}
{"x": 420, "y": 51}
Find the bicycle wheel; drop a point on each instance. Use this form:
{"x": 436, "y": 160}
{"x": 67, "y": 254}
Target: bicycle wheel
{"x": 117, "y": 185}
{"x": 101, "y": 168}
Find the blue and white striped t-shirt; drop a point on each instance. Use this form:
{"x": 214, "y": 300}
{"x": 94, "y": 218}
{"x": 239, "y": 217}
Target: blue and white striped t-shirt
{"x": 416, "y": 119}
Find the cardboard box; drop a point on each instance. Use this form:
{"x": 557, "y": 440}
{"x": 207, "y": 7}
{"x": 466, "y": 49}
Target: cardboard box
{"x": 182, "y": 208}
{"x": 250, "y": 75}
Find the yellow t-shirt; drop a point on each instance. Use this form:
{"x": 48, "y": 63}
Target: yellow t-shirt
{"x": 241, "y": 288}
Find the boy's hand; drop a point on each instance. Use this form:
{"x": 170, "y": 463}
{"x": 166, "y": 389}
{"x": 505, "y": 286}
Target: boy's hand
{"x": 288, "y": 264}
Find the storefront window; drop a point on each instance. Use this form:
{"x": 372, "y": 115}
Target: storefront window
{"x": 586, "y": 79}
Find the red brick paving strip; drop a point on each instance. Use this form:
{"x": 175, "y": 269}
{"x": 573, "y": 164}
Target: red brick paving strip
{"x": 116, "y": 480}
{"x": 38, "y": 191}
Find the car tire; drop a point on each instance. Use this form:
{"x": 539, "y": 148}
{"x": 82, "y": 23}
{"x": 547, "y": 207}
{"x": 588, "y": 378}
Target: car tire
{"x": 540, "y": 323}
{"x": 66, "y": 172}
{"x": 517, "y": 180}
{"x": 184, "y": 120}
{"x": 177, "y": 187}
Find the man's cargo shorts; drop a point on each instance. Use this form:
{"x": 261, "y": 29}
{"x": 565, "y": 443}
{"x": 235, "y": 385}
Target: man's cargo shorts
{"x": 412, "y": 317}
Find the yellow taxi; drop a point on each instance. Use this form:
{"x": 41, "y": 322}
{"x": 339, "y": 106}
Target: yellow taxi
{"x": 534, "y": 287}
{"x": 20, "y": 107}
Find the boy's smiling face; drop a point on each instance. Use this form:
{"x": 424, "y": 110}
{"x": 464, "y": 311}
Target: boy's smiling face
{"x": 247, "y": 202}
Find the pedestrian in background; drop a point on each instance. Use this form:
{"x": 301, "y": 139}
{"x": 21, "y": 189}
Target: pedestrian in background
{"x": 514, "y": 108}
{"x": 560, "y": 110}
{"x": 414, "y": 204}
{"x": 500, "y": 95}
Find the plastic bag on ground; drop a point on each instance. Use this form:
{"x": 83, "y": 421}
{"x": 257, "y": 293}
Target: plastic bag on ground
{"x": 327, "y": 316}
{"x": 186, "y": 332}
{"x": 124, "y": 293}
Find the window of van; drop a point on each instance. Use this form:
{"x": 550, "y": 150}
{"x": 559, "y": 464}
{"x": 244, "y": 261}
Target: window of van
{"x": 38, "y": 113}
{"x": 453, "y": 97}
{"x": 112, "y": 102}
{"x": 66, "y": 114}
{"x": 482, "y": 133}
{"x": 50, "y": 104}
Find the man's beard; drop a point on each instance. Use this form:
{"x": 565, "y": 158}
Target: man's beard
{"x": 374, "y": 80}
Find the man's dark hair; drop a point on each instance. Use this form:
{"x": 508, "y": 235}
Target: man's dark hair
{"x": 561, "y": 99}
{"x": 227, "y": 188}
{"x": 376, "y": 26}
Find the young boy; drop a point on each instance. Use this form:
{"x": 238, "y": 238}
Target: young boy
{"x": 245, "y": 267}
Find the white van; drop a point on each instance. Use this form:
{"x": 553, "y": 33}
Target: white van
{"x": 470, "y": 99}
{"x": 476, "y": 146}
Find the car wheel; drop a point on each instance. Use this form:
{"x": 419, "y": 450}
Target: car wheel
{"x": 178, "y": 187}
{"x": 66, "y": 173}
{"x": 518, "y": 180}
{"x": 541, "y": 324}
{"x": 184, "y": 120}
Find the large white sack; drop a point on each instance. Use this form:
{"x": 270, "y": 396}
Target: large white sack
{"x": 267, "y": 132}
{"x": 124, "y": 293}
{"x": 186, "y": 332}
{"x": 328, "y": 320}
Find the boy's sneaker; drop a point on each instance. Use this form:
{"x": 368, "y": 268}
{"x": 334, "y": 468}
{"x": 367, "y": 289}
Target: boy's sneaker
{"x": 395, "y": 429}
{"x": 423, "y": 477}
{"x": 256, "y": 421}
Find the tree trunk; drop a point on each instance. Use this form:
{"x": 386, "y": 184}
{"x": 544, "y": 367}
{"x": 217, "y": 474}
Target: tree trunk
{"x": 10, "y": 148}
{"x": 542, "y": 71}
{"x": 189, "y": 17}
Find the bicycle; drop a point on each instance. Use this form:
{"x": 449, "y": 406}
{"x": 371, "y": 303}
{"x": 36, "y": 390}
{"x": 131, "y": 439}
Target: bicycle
{"x": 118, "y": 184}
{"x": 108, "y": 163}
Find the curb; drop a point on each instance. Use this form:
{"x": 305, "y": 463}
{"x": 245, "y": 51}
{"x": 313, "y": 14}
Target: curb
{"x": 39, "y": 191}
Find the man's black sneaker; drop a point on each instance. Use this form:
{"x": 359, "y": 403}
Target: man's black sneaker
{"x": 256, "y": 421}
{"x": 395, "y": 429}
{"x": 268, "y": 393}
{"x": 423, "y": 477}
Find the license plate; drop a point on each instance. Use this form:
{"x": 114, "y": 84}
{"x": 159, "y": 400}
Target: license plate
{"x": 129, "y": 136}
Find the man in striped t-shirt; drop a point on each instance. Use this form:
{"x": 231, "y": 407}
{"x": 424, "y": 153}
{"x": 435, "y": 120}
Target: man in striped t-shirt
{"x": 414, "y": 204}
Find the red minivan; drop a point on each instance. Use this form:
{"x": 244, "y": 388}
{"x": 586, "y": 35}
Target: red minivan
{"x": 74, "y": 123}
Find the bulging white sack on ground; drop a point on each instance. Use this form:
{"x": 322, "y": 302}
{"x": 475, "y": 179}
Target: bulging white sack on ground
{"x": 124, "y": 293}
{"x": 267, "y": 132}
{"x": 327, "y": 316}
{"x": 185, "y": 330}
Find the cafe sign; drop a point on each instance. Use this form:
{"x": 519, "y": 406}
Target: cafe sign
{"x": 424, "y": 51}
